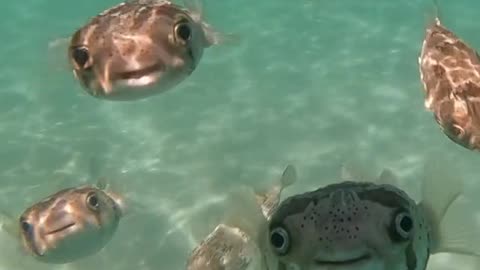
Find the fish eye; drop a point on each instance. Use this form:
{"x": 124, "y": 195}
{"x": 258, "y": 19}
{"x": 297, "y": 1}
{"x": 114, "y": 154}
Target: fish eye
{"x": 92, "y": 201}
{"x": 26, "y": 227}
{"x": 80, "y": 55}
{"x": 279, "y": 239}
{"x": 183, "y": 31}
{"x": 403, "y": 224}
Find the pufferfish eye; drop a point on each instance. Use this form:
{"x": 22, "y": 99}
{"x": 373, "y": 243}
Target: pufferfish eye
{"x": 403, "y": 224}
{"x": 26, "y": 227}
{"x": 280, "y": 240}
{"x": 183, "y": 31}
{"x": 80, "y": 55}
{"x": 92, "y": 201}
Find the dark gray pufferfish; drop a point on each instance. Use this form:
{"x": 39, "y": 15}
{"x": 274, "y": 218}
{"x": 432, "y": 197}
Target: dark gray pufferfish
{"x": 359, "y": 225}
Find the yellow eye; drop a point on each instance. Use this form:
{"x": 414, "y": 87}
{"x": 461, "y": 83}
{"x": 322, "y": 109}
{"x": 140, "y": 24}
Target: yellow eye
{"x": 183, "y": 31}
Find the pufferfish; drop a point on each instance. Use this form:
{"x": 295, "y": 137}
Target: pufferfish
{"x": 68, "y": 225}
{"x": 362, "y": 225}
{"x": 450, "y": 74}
{"x": 237, "y": 243}
{"x": 140, "y": 48}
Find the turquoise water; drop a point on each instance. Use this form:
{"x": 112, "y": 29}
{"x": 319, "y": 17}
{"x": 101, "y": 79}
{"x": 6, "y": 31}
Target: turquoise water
{"x": 312, "y": 83}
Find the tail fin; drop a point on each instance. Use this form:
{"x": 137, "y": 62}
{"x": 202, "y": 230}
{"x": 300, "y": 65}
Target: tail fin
{"x": 454, "y": 228}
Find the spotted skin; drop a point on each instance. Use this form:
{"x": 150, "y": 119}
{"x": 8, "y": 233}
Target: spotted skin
{"x": 351, "y": 226}
{"x": 450, "y": 74}
{"x": 137, "y": 49}
{"x": 71, "y": 224}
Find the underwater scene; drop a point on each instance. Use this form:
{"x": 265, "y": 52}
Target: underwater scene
{"x": 240, "y": 135}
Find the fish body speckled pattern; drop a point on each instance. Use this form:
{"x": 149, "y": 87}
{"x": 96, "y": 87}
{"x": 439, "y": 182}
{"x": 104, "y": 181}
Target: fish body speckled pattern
{"x": 355, "y": 225}
{"x": 450, "y": 74}
{"x": 140, "y": 48}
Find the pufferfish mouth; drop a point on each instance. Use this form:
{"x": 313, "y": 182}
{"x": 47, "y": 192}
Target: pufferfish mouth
{"x": 62, "y": 228}
{"x": 139, "y": 73}
{"x": 343, "y": 262}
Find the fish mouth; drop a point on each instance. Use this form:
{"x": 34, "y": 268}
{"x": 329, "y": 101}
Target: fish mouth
{"x": 139, "y": 73}
{"x": 343, "y": 262}
{"x": 59, "y": 229}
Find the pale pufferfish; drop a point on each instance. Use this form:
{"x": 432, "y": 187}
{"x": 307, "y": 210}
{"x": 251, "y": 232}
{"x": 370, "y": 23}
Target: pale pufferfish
{"x": 70, "y": 224}
{"x": 237, "y": 243}
{"x": 140, "y": 48}
{"x": 356, "y": 225}
{"x": 450, "y": 74}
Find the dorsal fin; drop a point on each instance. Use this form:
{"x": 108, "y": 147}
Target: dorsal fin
{"x": 269, "y": 199}
{"x": 387, "y": 177}
{"x": 453, "y": 227}
{"x": 356, "y": 170}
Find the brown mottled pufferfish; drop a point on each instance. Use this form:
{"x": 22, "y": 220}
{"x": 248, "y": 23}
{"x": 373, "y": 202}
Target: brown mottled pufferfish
{"x": 373, "y": 225}
{"x": 238, "y": 242}
{"x": 450, "y": 73}
{"x": 68, "y": 225}
{"x": 140, "y": 48}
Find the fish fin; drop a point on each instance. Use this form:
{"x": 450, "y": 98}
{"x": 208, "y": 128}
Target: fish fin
{"x": 114, "y": 190}
{"x": 458, "y": 232}
{"x": 289, "y": 176}
{"x": 432, "y": 17}
{"x": 387, "y": 177}
{"x": 196, "y": 9}
{"x": 57, "y": 52}
{"x": 355, "y": 170}
{"x": 268, "y": 200}
{"x": 451, "y": 230}
{"x": 8, "y": 224}
{"x": 436, "y": 11}
{"x": 214, "y": 37}
{"x": 242, "y": 211}
{"x": 119, "y": 196}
